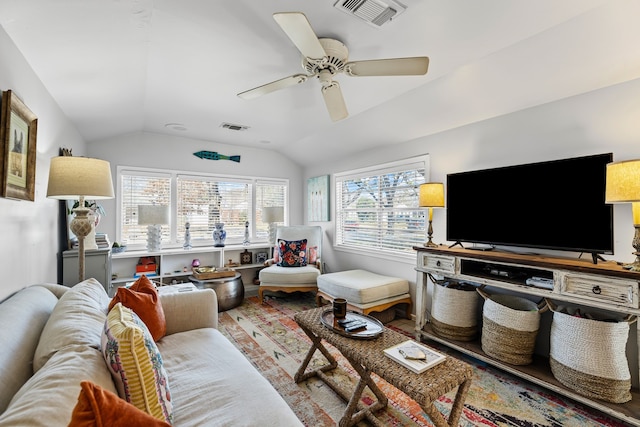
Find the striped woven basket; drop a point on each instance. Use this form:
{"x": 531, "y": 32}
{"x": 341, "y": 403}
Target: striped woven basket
{"x": 589, "y": 355}
{"x": 455, "y": 312}
{"x": 509, "y": 327}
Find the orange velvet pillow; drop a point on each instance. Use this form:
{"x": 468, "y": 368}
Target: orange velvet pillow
{"x": 98, "y": 407}
{"x": 142, "y": 298}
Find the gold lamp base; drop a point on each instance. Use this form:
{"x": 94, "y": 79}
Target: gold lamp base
{"x": 635, "y": 265}
{"x": 429, "y": 243}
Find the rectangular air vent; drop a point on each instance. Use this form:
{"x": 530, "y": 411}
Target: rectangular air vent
{"x": 231, "y": 126}
{"x": 374, "y": 12}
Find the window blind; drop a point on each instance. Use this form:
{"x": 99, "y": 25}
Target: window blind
{"x": 377, "y": 208}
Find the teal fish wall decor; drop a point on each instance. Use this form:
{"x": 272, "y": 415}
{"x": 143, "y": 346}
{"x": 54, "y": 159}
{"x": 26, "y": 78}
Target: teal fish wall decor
{"x": 213, "y": 155}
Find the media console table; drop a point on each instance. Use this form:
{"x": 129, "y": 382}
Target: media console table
{"x": 604, "y": 286}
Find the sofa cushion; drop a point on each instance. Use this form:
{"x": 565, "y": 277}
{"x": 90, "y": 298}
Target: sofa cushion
{"x": 135, "y": 363}
{"x": 98, "y": 407}
{"x": 22, "y": 318}
{"x": 142, "y": 298}
{"x": 49, "y": 396}
{"x": 362, "y": 286}
{"x": 76, "y": 320}
{"x": 293, "y": 253}
{"x": 285, "y": 276}
{"x": 214, "y": 384}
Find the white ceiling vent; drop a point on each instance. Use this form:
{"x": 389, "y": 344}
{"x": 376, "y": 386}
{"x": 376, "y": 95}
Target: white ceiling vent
{"x": 231, "y": 126}
{"x": 374, "y": 12}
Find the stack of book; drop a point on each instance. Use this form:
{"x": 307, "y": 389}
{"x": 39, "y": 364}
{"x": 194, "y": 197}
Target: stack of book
{"x": 102, "y": 240}
{"x": 414, "y": 356}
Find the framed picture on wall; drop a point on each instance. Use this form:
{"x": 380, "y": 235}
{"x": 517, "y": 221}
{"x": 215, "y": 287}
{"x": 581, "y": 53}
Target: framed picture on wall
{"x": 18, "y": 129}
{"x": 318, "y": 198}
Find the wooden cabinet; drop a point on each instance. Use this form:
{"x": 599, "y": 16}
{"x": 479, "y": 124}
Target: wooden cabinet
{"x": 605, "y": 286}
{"x": 97, "y": 264}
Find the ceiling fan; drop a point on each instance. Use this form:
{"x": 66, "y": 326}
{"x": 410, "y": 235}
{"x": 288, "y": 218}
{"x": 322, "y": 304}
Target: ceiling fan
{"x": 324, "y": 58}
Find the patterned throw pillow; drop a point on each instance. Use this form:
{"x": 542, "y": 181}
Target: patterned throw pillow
{"x": 293, "y": 253}
{"x": 135, "y": 363}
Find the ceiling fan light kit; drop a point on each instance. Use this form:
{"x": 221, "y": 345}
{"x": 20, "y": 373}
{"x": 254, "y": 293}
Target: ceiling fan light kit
{"x": 324, "y": 58}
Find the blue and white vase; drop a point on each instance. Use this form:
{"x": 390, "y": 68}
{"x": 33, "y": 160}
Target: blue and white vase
{"x": 219, "y": 235}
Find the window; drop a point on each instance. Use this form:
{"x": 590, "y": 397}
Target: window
{"x": 200, "y": 199}
{"x": 377, "y": 208}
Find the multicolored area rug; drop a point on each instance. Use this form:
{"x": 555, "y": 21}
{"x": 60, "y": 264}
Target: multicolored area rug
{"x": 269, "y": 337}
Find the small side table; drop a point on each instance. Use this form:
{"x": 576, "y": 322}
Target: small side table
{"x": 229, "y": 290}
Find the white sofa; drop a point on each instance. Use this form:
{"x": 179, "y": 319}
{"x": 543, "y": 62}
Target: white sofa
{"x": 50, "y": 337}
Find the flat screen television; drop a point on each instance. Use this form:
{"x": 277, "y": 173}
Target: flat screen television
{"x": 558, "y": 205}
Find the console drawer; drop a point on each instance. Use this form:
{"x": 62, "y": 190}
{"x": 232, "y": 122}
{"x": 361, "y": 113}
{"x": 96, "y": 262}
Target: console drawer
{"x": 601, "y": 289}
{"x": 440, "y": 264}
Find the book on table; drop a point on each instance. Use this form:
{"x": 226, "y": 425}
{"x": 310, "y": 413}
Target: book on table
{"x": 414, "y": 356}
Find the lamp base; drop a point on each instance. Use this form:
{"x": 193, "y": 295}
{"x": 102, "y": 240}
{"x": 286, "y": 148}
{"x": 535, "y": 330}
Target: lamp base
{"x": 272, "y": 233}
{"x": 635, "y": 265}
{"x": 154, "y": 238}
{"x": 429, "y": 243}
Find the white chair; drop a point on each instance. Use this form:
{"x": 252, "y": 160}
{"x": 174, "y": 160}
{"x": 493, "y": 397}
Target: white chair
{"x": 276, "y": 278}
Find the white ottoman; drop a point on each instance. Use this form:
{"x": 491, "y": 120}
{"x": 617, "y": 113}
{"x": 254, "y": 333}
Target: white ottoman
{"x": 364, "y": 291}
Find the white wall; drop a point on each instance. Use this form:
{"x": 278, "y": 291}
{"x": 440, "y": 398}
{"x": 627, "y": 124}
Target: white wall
{"x": 167, "y": 152}
{"x": 606, "y": 120}
{"x": 29, "y": 230}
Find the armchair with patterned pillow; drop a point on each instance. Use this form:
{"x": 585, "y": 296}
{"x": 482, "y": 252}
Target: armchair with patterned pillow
{"x": 296, "y": 263}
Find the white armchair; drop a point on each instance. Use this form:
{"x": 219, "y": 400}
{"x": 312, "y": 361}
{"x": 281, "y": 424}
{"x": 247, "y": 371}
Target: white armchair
{"x": 293, "y": 279}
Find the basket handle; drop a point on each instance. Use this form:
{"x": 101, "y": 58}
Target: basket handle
{"x": 630, "y": 318}
{"x": 482, "y": 293}
{"x": 543, "y": 305}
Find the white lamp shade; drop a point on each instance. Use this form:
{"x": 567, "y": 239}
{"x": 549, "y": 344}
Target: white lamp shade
{"x": 74, "y": 177}
{"x": 153, "y": 214}
{"x": 273, "y": 214}
{"x": 623, "y": 182}
{"x": 431, "y": 195}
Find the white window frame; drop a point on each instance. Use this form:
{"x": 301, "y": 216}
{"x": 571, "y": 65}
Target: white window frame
{"x": 175, "y": 235}
{"x": 377, "y": 248}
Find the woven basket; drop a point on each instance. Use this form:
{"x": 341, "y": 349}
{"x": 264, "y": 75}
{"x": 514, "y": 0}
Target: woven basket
{"x": 455, "y": 312}
{"x": 589, "y": 355}
{"x": 509, "y": 327}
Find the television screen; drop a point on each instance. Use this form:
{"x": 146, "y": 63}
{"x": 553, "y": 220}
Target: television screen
{"x": 556, "y": 204}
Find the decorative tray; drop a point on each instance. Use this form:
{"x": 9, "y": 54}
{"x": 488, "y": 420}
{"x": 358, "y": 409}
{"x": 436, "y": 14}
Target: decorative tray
{"x": 205, "y": 273}
{"x": 373, "y": 327}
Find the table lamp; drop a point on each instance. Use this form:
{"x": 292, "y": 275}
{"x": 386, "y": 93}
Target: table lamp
{"x": 272, "y": 215}
{"x": 77, "y": 178}
{"x": 623, "y": 186}
{"x": 431, "y": 196}
{"x": 153, "y": 216}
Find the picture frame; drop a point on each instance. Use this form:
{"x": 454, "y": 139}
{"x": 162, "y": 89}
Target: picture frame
{"x": 18, "y": 135}
{"x": 318, "y": 198}
{"x": 261, "y": 257}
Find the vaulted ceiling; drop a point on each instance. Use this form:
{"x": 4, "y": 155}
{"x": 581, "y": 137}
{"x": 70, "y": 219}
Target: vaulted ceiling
{"x": 176, "y": 67}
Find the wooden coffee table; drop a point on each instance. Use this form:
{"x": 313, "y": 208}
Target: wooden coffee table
{"x": 366, "y": 356}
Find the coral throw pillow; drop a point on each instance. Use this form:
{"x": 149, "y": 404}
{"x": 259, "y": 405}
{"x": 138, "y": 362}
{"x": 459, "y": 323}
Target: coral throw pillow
{"x": 142, "y": 298}
{"x": 276, "y": 255}
{"x": 312, "y": 254}
{"x": 292, "y": 253}
{"x": 98, "y": 407}
{"x": 135, "y": 363}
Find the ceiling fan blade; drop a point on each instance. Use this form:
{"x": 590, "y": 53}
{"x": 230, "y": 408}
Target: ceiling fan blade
{"x": 273, "y": 86}
{"x": 298, "y": 29}
{"x": 334, "y": 101}
{"x": 414, "y": 66}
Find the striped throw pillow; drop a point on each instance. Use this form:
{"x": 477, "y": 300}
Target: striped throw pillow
{"x": 135, "y": 363}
